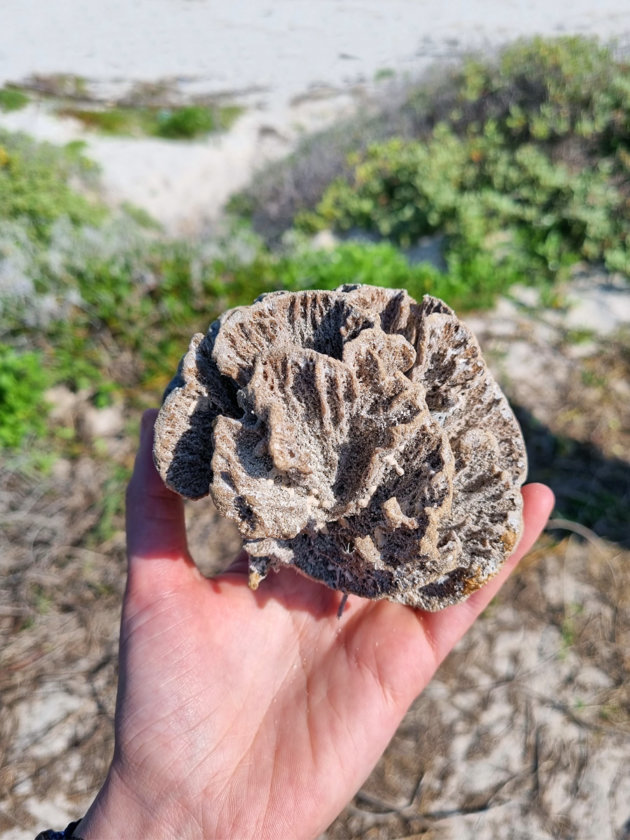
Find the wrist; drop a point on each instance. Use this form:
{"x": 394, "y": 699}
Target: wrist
{"x": 120, "y": 812}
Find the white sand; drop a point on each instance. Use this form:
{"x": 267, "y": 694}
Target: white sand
{"x": 280, "y": 48}
{"x": 284, "y": 45}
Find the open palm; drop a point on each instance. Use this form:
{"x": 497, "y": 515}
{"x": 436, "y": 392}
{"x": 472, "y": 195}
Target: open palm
{"x": 255, "y": 714}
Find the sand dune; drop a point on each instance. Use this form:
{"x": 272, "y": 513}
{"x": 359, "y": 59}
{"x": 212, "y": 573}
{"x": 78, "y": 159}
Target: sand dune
{"x": 278, "y": 57}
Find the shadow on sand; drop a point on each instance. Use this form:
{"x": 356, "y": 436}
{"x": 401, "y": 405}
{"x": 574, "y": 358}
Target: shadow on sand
{"x": 591, "y": 489}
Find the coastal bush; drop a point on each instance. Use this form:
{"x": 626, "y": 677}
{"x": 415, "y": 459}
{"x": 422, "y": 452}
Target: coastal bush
{"x": 398, "y": 189}
{"x": 145, "y": 109}
{"x": 193, "y": 120}
{"x": 522, "y": 160}
{"x": 284, "y": 188}
{"x": 515, "y": 205}
{"x": 12, "y": 99}
{"x": 539, "y": 89}
{"x": 22, "y": 407}
{"x": 37, "y": 184}
{"x": 173, "y": 123}
{"x": 527, "y": 171}
{"x": 557, "y": 88}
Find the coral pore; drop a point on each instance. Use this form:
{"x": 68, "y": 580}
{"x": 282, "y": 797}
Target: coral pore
{"x": 356, "y": 435}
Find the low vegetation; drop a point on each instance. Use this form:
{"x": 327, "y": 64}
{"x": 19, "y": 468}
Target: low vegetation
{"x": 146, "y": 110}
{"x": 12, "y": 99}
{"x": 523, "y": 165}
{"x": 22, "y": 382}
{"x": 173, "y": 123}
{"x": 519, "y": 168}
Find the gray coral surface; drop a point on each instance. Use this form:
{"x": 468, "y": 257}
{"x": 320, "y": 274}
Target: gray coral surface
{"x": 354, "y": 434}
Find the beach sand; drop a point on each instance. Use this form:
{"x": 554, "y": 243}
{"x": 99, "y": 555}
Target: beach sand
{"x": 295, "y": 65}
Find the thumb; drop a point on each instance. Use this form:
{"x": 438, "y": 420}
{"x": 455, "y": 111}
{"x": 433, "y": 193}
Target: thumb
{"x": 155, "y": 522}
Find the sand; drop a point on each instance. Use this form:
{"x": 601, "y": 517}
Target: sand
{"x": 296, "y": 65}
{"x": 281, "y": 45}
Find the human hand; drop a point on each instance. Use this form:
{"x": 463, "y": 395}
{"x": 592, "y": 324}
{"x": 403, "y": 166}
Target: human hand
{"x": 246, "y": 714}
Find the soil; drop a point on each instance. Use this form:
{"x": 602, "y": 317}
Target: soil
{"x": 524, "y": 732}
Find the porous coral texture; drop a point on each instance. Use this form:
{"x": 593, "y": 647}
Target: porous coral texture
{"x": 356, "y": 435}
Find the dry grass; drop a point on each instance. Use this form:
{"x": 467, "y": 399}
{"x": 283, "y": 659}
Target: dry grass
{"x": 58, "y": 621}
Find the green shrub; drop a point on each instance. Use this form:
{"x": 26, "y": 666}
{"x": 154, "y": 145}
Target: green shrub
{"x": 175, "y": 123}
{"x": 399, "y": 189}
{"x": 539, "y": 89}
{"x": 466, "y": 284}
{"x": 35, "y": 184}
{"x": 511, "y": 207}
{"x": 568, "y": 97}
{"x": 107, "y": 120}
{"x": 12, "y": 99}
{"x": 570, "y": 85}
{"x": 22, "y": 406}
{"x": 193, "y": 120}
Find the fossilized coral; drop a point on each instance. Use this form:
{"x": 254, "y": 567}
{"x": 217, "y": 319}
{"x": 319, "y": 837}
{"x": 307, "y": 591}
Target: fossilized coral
{"x": 354, "y": 434}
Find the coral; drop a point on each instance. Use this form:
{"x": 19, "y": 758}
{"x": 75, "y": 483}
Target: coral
{"x": 356, "y": 435}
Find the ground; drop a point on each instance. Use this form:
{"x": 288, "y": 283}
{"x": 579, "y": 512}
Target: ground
{"x": 525, "y": 731}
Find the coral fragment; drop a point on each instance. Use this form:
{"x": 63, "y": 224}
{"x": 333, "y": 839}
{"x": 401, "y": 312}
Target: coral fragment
{"x": 356, "y": 435}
